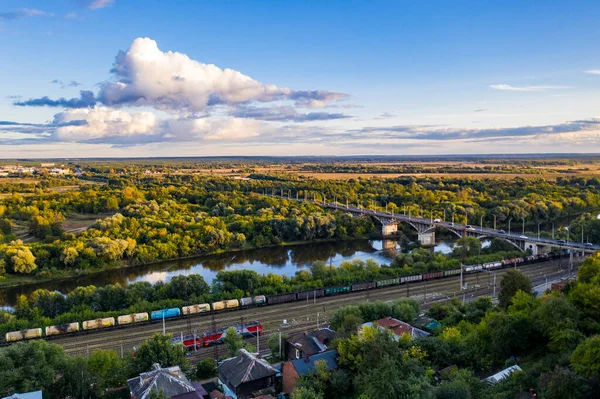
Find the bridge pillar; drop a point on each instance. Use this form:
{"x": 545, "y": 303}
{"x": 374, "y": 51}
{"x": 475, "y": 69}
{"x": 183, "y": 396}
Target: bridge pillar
{"x": 536, "y": 248}
{"x": 389, "y": 229}
{"x": 427, "y": 238}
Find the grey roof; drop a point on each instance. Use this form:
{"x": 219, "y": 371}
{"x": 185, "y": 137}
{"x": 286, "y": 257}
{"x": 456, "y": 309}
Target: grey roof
{"x": 170, "y": 380}
{"x": 244, "y": 368}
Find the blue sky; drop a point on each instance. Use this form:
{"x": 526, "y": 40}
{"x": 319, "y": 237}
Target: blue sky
{"x": 297, "y": 77}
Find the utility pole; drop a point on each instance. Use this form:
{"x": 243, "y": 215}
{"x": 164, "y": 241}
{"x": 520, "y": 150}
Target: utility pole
{"x": 163, "y": 315}
{"x": 494, "y": 222}
{"x": 279, "y": 342}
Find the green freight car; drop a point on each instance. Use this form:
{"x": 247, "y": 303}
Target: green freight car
{"x": 388, "y": 281}
{"x": 342, "y": 289}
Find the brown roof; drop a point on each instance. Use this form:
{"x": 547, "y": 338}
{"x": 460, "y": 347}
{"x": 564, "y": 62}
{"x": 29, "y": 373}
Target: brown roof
{"x": 398, "y": 327}
{"x": 219, "y": 395}
{"x": 289, "y": 377}
{"x": 312, "y": 342}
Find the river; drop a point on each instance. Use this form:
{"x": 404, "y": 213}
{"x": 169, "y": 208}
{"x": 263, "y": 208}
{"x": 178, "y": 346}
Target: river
{"x": 284, "y": 260}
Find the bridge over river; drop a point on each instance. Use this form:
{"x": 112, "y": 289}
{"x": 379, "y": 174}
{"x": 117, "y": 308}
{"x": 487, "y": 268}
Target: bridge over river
{"x": 426, "y": 229}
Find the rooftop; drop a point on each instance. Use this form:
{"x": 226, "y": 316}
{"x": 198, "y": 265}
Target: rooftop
{"x": 170, "y": 380}
{"x": 243, "y": 368}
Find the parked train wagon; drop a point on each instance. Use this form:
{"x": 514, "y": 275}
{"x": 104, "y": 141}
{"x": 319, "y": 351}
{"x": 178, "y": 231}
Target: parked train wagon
{"x": 246, "y": 301}
{"x": 281, "y": 298}
{"x": 62, "y": 329}
{"x": 341, "y": 289}
{"x": 310, "y": 294}
{"x": 410, "y": 279}
{"x": 226, "y": 304}
{"x": 363, "y": 286}
{"x": 25, "y": 334}
{"x": 452, "y": 272}
{"x": 132, "y": 318}
{"x": 387, "y": 281}
{"x": 260, "y": 299}
{"x": 98, "y": 323}
{"x": 432, "y": 275}
{"x": 165, "y": 313}
{"x": 194, "y": 309}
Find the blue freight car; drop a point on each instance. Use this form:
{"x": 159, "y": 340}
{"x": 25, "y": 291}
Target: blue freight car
{"x": 166, "y": 313}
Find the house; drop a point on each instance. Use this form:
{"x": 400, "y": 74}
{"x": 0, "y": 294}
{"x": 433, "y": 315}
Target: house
{"x": 27, "y": 395}
{"x": 397, "y": 327}
{"x": 306, "y": 344}
{"x": 246, "y": 374}
{"x": 294, "y": 369}
{"x": 171, "y": 381}
{"x": 501, "y": 375}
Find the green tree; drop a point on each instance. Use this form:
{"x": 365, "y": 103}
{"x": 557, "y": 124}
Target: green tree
{"x": 562, "y": 383}
{"x": 158, "y": 349}
{"x": 512, "y": 282}
{"x": 586, "y": 357}
{"x": 206, "y": 368}
{"x": 30, "y": 366}
{"x": 19, "y": 258}
{"x": 233, "y": 341}
{"x": 307, "y": 393}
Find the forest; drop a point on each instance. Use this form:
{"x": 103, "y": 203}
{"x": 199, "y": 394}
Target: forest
{"x": 145, "y": 216}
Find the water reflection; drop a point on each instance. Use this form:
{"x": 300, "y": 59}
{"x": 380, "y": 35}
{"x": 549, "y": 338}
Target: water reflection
{"x": 284, "y": 260}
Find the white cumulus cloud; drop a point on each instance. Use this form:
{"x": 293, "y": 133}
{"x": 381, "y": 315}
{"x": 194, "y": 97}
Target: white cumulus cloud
{"x": 593, "y": 71}
{"x": 145, "y": 75}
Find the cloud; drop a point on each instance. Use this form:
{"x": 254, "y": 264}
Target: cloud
{"x": 145, "y": 76}
{"x": 386, "y": 115}
{"x": 441, "y": 133}
{"x": 97, "y": 4}
{"x": 64, "y": 85}
{"x": 480, "y": 110}
{"x": 284, "y": 114}
{"x": 71, "y": 15}
{"x": 593, "y": 71}
{"x": 526, "y": 88}
{"x": 24, "y": 13}
{"x": 86, "y": 99}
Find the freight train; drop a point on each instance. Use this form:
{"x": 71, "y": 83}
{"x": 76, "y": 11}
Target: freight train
{"x": 260, "y": 300}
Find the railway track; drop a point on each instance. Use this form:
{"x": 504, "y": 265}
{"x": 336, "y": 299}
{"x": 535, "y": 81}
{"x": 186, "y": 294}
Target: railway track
{"x": 300, "y": 314}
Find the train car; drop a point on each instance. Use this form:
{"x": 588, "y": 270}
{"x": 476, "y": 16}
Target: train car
{"x": 341, "y": 289}
{"x": 24, "y": 334}
{"x": 432, "y": 275}
{"x": 311, "y": 294}
{"x": 473, "y": 268}
{"x": 281, "y": 298}
{"x": 369, "y": 285}
{"x": 452, "y": 272}
{"x": 98, "y": 323}
{"x": 132, "y": 318}
{"x": 213, "y": 337}
{"x": 187, "y": 341}
{"x": 260, "y": 299}
{"x": 509, "y": 262}
{"x": 387, "y": 282}
{"x": 195, "y": 309}
{"x": 411, "y": 279}
{"x": 226, "y": 304}
{"x": 62, "y": 329}
{"x": 165, "y": 313}
{"x": 246, "y": 301}
{"x": 249, "y": 329}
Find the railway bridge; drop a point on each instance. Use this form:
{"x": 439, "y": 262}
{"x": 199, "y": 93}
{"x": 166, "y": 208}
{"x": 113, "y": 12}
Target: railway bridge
{"x": 426, "y": 228}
